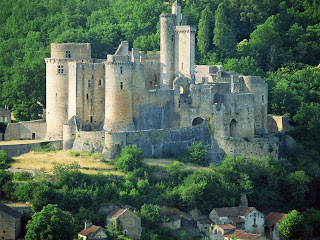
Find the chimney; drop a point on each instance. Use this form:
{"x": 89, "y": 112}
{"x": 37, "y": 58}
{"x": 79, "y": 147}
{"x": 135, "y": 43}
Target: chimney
{"x": 243, "y": 200}
{"x": 87, "y": 224}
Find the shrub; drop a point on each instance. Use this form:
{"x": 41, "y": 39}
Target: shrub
{"x": 74, "y": 154}
{"x": 22, "y": 176}
{"x": 130, "y": 159}
{"x": 4, "y": 160}
{"x": 197, "y": 153}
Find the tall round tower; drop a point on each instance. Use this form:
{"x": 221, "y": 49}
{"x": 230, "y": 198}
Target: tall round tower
{"x": 118, "y": 104}
{"x": 57, "y": 84}
{"x": 167, "y": 50}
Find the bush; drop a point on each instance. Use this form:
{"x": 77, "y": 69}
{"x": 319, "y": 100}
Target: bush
{"x": 4, "y": 160}
{"x": 22, "y": 176}
{"x": 74, "y": 154}
{"x": 130, "y": 159}
{"x": 197, "y": 153}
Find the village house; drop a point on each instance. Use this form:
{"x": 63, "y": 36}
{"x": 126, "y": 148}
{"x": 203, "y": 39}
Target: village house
{"x": 125, "y": 221}
{"x": 204, "y": 225}
{"x": 272, "y": 221}
{"x": 92, "y": 232}
{"x": 243, "y": 218}
{"x": 10, "y": 223}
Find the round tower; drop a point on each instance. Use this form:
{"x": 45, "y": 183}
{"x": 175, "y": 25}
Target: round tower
{"x": 118, "y": 104}
{"x": 167, "y": 50}
{"x": 57, "y": 84}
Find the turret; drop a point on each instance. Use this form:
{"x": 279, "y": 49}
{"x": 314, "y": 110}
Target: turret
{"x": 167, "y": 50}
{"x": 118, "y": 92}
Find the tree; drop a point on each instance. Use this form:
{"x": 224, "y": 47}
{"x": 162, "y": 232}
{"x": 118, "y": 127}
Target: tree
{"x": 197, "y": 153}
{"x": 150, "y": 214}
{"x": 130, "y": 159}
{"x": 205, "y": 32}
{"x": 224, "y": 38}
{"x": 51, "y": 223}
{"x": 292, "y": 226}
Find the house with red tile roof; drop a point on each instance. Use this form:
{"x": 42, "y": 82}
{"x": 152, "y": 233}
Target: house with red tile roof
{"x": 125, "y": 221}
{"x": 244, "y": 218}
{"x": 10, "y": 222}
{"x": 228, "y": 232}
{"x": 92, "y": 232}
{"x": 272, "y": 221}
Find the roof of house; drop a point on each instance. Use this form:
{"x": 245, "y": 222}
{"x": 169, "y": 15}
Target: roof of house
{"x": 9, "y": 211}
{"x": 233, "y": 211}
{"x": 205, "y": 221}
{"x": 226, "y": 226}
{"x": 116, "y": 213}
{"x": 242, "y": 235}
{"x": 87, "y": 232}
{"x": 273, "y": 217}
{"x": 236, "y": 219}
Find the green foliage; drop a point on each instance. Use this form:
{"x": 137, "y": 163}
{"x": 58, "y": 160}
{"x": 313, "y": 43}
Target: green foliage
{"x": 22, "y": 176}
{"x": 67, "y": 174}
{"x": 4, "y": 160}
{"x": 197, "y": 153}
{"x": 150, "y": 214}
{"x": 130, "y": 159}
{"x": 204, "y": 31}
{"x": 74, "y": 153}
{"x": 312, "y": 219}
{"x": 50, "y": 223}
{"x": 292, "y": 226}
{"x": 5, "y": 177}
{"x": 246, "y": 66}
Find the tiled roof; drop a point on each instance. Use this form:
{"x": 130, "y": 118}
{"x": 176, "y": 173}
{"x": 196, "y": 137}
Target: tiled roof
{"x": 236, "y": 219}
{"x": 226, "y": 226}
{"x": 205, "y": 221}
{"x": 233, "y": 211}
{"x": 242, "y": 235}
{"x": 87, "y": 232}
{"x": 116, "y": 213}
{"x": 9, "y": 211}
{"x": 273, "y": 217}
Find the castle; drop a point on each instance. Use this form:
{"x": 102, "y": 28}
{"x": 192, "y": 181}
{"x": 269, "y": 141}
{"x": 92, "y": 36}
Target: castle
{"x": 160, "y": 101}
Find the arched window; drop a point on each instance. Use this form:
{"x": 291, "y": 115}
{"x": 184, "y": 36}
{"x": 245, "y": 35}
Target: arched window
{"x": 233, "y": 128}
{"x": 197, "y": 121}
{"x": 181, "y": 90}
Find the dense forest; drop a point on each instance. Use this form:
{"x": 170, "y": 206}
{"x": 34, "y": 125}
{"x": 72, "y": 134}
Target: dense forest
{"x": 276, "y": 39}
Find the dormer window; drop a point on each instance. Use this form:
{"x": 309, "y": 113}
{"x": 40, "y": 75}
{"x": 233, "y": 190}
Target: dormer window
{"x": 68, "y": 54}
{"x": 60, "y": 69}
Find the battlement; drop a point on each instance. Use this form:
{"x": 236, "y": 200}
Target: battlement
{"x": 186, "y": 29}
{"x": 167, "y": 15}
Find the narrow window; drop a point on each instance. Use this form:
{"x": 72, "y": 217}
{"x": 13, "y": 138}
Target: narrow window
{"x": 91, "y": 119}
{"x": 181, "y": 66}
{"x": 100, "y": 83}
{"x": 262, "y": 98}
{"x": 179, "y": 104}
{"x": 68, "y": 54}
{"x": 92, "y": 67}
{"x": 56, "y": 94}
{"x": 172, "y": 38}
{"x": 89, "y": 83}
{"x": 121, "y": 71}
{"x": 1, "y": 119}
{"x": 87, "y": 96}
{"x": 254, "y": 219}
{"x": 82, "y": 67}
{"x": 6, "y": 119}
{"x": 121, "y": 85}
{"x": 60, "y": 69}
